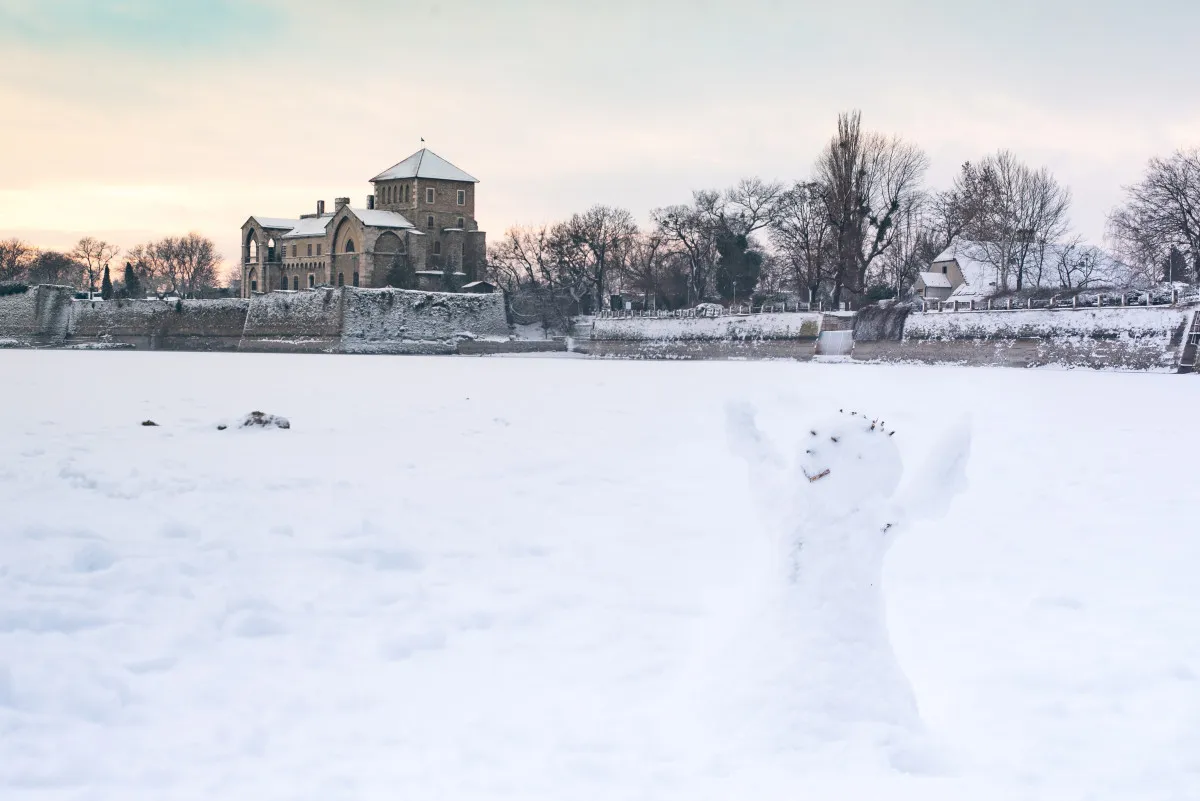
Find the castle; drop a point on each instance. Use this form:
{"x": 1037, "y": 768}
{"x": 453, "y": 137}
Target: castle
{"x": 418, "y": 225}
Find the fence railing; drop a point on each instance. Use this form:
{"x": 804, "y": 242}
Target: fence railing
{"x": 1081, "y": 301}
{"x": 709, "y": 310}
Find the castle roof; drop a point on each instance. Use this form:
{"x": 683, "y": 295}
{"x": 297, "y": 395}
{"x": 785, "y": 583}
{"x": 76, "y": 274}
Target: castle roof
{"x": 425, "y": 164}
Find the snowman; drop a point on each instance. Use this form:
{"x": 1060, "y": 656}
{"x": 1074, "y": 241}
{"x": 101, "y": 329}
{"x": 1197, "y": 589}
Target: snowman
{"x": 807, "y": 663}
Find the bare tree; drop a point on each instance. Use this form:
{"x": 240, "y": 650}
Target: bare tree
{"x": 693, "y": 229}
{"x": 52, "y": 267}
{"x": 189, "y": 263}
{"x": 149, "y": 262}
{"x": 15, "y": 258}
{"x": 1012, "y": 213}
{"x": 1158, "y": 227}
{"x": 867, "y": 180}
{"x": 94, "y": 255}
{"x": 802, "y": 234}
{"x": 593, "y": 244}
{"x": 750, "y": 205}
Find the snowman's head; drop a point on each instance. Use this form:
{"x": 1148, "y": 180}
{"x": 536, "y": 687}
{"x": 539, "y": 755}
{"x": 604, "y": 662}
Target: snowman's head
{"x": 850, "y": 458}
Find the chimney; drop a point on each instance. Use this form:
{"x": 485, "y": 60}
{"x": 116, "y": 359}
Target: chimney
{"x": 370, "y": 201}
{"x": 320, "y": 207}
{"x": 339, "y": 202}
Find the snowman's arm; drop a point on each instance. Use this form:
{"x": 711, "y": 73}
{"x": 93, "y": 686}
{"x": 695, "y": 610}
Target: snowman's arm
{"x": 748, "y": 442}
{"x": 928, "y": 493}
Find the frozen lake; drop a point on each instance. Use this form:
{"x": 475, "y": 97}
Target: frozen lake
{"x": 460, "y": 578}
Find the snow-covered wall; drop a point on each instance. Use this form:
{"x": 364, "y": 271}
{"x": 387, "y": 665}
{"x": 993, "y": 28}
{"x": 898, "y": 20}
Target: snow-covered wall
{"x": 160, "y": 325}
{"x": 353, "y": 320}
{"x": 1108, "y": 323}
{"x": 307, "y": 321}
{"x": 38, "y": 316}
{"x": 787, "y": 326}
{"x": 759, "y": 336}
{"x": 398, "y": 320}
{"x": 1122, "y": 338}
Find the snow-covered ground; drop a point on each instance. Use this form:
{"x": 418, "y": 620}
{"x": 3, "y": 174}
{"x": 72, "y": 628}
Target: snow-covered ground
{"x": 459, "y": 578}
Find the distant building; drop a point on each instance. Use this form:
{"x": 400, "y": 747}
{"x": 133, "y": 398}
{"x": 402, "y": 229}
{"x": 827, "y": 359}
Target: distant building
{"x": 418, "y": 224}
{"x": 966, "y": 270}
{"x": 956, "y": 272}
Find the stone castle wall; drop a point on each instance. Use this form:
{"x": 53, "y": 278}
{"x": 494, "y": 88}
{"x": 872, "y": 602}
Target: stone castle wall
{"x": 329, "y": 320}
{"x": 38, "y": 317}
{"x": 159, "y": 325}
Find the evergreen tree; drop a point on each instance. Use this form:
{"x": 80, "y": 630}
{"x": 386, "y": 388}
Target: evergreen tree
{"x": 401, "y": 275}
{"x": 133, "y": 287}
{"x": 106, "y": 288}
{"x": 738, "y": 266}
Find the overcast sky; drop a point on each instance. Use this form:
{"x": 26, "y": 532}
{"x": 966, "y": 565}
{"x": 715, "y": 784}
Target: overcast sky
{"x": 130, "y": 119}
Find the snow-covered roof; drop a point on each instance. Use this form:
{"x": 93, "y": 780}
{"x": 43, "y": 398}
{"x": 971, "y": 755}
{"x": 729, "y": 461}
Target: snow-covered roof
{"x": 425, "y": 164}
{"x": 274, "y": 223}
{"x": 936, "y": 280}
{"x": 309, "y": 226}
{"x": 382, "y": 218}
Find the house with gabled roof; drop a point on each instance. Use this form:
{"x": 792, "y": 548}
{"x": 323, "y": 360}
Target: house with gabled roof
{"x": 419, "y": 217}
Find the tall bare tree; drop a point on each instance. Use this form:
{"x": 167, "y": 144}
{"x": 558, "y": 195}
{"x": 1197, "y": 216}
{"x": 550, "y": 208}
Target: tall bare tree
{"x": 594, "y": 244}
{"x": 94, "y": 255}
{"x": 867, "y": 179}
{"x": 189, "y": 263}
{"x": 1158, "y": 227}
{"x": 802, "y": 234}
{"x": 1012, "y": 213}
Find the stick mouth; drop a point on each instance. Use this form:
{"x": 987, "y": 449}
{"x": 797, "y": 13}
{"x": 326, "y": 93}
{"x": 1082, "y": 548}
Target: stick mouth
{"x": 813, "y": 479}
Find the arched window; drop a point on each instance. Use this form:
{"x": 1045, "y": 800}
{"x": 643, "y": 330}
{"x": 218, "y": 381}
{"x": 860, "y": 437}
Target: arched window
{"x": 282, "y": 281}
{"x": 349, "y": 245}
{"x": 270, "y": 250}
{"x": 341, "y": 279}
{"x": 356, "y": 279}
{"x": 311, "y": 281}
{"x": 429, "y": 222}
{"x": 437, "y": 248}
{"x": 295, "y": 282}
{"x": 252, "y": 277}
{"x": 253, "y": 245}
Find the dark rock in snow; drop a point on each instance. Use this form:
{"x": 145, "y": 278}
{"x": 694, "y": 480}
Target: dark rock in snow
{"x": 149, "y": 423}
{"x": 265, "y": 421}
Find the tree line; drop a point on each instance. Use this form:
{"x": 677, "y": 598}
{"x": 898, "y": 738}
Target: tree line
{"x": 177, "y": 265}
{"x": 860, "y": 226}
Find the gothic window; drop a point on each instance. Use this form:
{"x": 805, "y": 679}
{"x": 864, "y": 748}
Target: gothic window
{"x": 295, "y": 282}
{"x": 341, "y": 279}
{"x": 407, "y": 193}
{"x": 252, "y": 276}
{"x": 283, "y": 282}
{"x": 270, "y": 250}
{"x": 253, "y": 248}
{"x": 429, "y": 222}
{"x": 356, "y": 279}
{"x": 312, "y": 280}
{"x": 350, "y": 247}
{"x": 462, "y": 197}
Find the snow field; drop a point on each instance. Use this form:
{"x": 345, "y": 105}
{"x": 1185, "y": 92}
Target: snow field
{"x": 512, "y": 578}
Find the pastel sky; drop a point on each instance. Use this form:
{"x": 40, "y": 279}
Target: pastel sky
{"x": 131, "y": 119}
